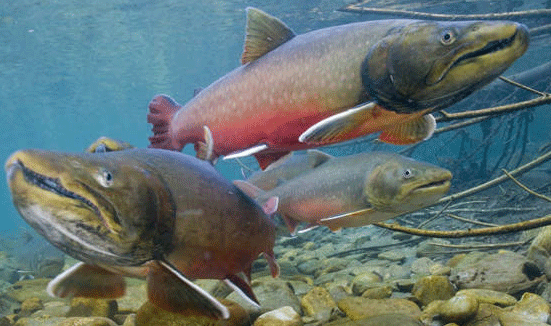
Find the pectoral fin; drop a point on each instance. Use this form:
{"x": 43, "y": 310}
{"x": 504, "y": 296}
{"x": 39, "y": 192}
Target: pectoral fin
{"x": 84, "y": 280}
{"x": 410, "y": 132}
{"x": 168, "y": 289}
{"x": 336, "y": 127}
{"x": 354, "y": 219}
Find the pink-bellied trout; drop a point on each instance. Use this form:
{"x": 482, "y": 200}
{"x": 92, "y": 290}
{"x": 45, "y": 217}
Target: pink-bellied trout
{"x": 355, "y": 190}
{"x": 334, "y": 84}
{"x": 149, "y": 213}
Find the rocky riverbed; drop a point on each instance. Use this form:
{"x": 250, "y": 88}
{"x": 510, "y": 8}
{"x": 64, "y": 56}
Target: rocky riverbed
{"x": 363, "y": 276}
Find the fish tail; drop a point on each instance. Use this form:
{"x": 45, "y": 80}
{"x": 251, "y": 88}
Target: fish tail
{"x": 161, "y": 110}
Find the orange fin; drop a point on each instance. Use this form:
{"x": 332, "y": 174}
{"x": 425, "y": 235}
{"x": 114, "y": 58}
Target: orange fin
{"x": 291, "y": 223}
{"x": 335, "y": 128}
{"x": 354, "y": 219}
{"x": 161, "y": 110}
{"x": 248, "y": 188}
{"x": 168, "y": 289}
{"x": 265, "y": 159}
{"x": 270, "y": 257}
{"x": 243, "y": 288}
{"x": 410, "y": 132}
{"x": 263, "y": 34}
{"x": 269, "y": 206}
{"x": 84, "y": 280}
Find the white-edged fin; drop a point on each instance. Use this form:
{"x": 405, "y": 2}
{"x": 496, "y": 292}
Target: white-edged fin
{"x": 242, "y": 292}
{"x": 333, "y": 128}
{"x": 205, "y": 150}
{"x": 170, "y": 290}
{"x": 308, "y": 228}
{"x": 410, "y": 132}
{"x": 84, "y": 280}
{"x": 246, "y": 152}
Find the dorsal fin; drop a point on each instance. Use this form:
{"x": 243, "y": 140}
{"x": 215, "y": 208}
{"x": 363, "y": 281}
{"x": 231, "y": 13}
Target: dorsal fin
{"x": 263, "y": 34}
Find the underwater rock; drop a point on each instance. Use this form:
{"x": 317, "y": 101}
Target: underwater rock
{"x": 319, "y": 304}
{"x": 379, "y": 292}
{"x": 30, "y": 288}
{"x": 359, "y": 308}
{"x": 489, "y": 296}
{"x": 271, "y": 293}
{"x": 135, "y": 296}
{"x": 284, "y": 316}
{"x": 30, "y": 305}
{"x": 52, "y": 309}
{"x": 422, "y": 266}
{"x": 393, "y": 319}
{"x": 540, "y": 250}
{"x": 364, "y": 281}
{"x": 91, "y": 307}
{"x": 433, "y": 287}
{"x": 504, "y": 271}
{"x": 458, "y": 309}
{"x": 393, "y": 255}
{"x": 149, "y": 314}
{"x": 533, "y": 305}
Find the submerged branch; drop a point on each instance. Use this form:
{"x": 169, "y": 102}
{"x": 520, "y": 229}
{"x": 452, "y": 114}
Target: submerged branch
{"x": 508, "y": 228}
{"x": 518, "y": 171}
{"x": 498, "y": 110}
{"x": 357, "y": 8}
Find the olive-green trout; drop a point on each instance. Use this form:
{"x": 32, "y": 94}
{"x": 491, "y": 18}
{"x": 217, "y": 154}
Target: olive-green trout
{"x": 356, "y": 190}
{"x": 334, "y": 84}
{"x": 147, "y": 213}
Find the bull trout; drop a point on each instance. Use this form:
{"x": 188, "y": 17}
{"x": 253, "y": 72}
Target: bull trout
{"x": 301, "y": 91}
{"x": 356, "y": 190}
{"x": 148, "y": 213}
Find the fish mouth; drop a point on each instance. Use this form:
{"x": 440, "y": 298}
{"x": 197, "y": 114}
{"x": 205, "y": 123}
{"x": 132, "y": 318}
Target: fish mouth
{"x": 491, "y": 47}
{"x": 54, "y": 185}
{"x": 442, "y": 184}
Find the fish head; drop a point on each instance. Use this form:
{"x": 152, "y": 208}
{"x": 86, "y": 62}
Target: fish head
{"x": 401, "y": 185}
{"x": 432, "y": 65}
{"x": 98, "y": 208}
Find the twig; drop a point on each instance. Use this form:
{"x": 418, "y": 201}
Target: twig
{"x": 435, "y": 216}
{"x": 526, "y": 188}
{"x": 357, "y": 8}
{"x": 508, "y": 228}
{"x": 519, "y": 85}
{"x": 518, "y": 171}
{"x": 480, "y": 246}
{"x": 545, "y": 99}
{"x": 462, "y": 219}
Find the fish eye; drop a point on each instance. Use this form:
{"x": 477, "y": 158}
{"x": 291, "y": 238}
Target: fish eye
{"x": 408, "y": 174}
{"x": 105, "y": 178}
{"x": 448, "y": 37}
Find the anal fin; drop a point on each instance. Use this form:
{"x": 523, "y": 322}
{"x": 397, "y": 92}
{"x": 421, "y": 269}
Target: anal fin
{"x": 168, "y": 289}
{"x": 84, "y": 280}
{"x": 205, "y": 150}
{"x": 410, "y": 132}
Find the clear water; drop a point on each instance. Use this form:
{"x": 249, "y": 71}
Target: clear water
{"x": 72, "y": 71}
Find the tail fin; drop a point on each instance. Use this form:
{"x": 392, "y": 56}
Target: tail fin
{"x": 161, "y": 111}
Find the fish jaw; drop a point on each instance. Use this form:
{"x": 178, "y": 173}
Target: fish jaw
{"x": 63, "y": 198}
{"x": 402, "y": 185}
{"x": 435, "y": 64}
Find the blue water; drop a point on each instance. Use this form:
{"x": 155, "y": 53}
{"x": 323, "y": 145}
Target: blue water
{"x": 72, "y": 71}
